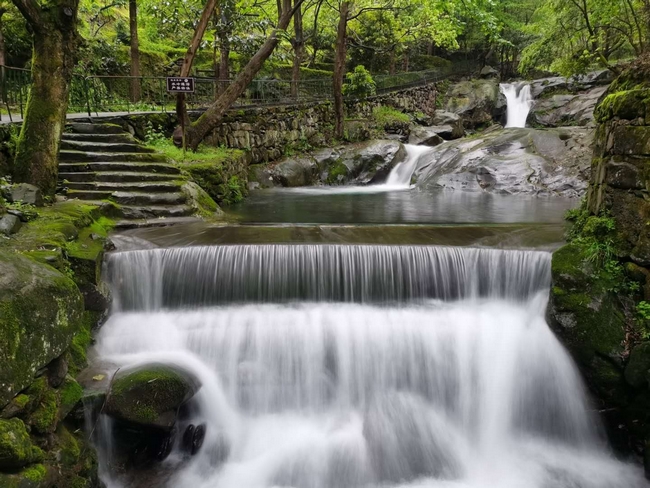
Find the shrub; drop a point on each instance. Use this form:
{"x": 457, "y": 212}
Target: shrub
{"x": 359, "y": 83}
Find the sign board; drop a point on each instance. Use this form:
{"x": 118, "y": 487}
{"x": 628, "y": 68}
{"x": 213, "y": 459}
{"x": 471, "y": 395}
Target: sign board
{"x": 177, "y": 84}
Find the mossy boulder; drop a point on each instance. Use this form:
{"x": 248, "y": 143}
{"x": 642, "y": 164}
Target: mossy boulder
{"x": 200, "y": 201}
{"x": 16, "y": 449}
{"x": 40, "y": 311}
{"x": 583, "y": 311}
{"x": 34, "y": 476}
{"x": 637, "y": 371}
{"x": 151, "y": 395}
{"x": 226, "y": 182}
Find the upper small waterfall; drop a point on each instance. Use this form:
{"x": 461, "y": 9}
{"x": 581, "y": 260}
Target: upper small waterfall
{"x": 401, "y": 174}
{"x": 520, "y": 101}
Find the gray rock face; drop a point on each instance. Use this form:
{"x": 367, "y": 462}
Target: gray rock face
{"x": 292, "y": 172}
{"x": 540, "y": 162}
{"x": 362, "y": 163}
{"x": 449, "y": 119}
{"x": 26, "y": 193}
{"x": 9, "y": 224}
{"x": 474, "y": 101}
{"x": 567, "y": 109}
{"x": 489, "y": 72}
{"x": 428, "y": 136}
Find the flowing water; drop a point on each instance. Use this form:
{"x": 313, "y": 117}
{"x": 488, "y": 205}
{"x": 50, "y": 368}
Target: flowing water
{"x": 401, "y": 174}
{"x": 520, "y": 101}
{"x": 362, "y": 366}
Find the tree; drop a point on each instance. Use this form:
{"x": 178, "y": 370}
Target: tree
{"x": 198, "y": 130}
{"x": 572, "y": 36}
{"x": 55, "y": 43}
{"x": 135, "y": 51}
{"x": 298, "y": 44}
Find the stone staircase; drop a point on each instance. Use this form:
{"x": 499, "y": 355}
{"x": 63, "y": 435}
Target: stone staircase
{"x": 100, "y": 162}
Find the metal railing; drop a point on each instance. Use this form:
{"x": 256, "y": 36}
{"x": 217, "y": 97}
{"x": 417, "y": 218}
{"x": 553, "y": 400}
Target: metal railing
{"x": 105, "y": 93}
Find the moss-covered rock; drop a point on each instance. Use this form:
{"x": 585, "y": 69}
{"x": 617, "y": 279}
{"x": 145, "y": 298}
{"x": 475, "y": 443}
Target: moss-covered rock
{"x": 150, "y": 395}
{"x": 200, "y": 201}
{"x": 34, "y": 476}
{"x": 40, "y": 311}
{"x": 225, "y": 181}
{"x": 584, "y": 313}
{"x": 16, "y": 449}
{"x": 638, "y": 367}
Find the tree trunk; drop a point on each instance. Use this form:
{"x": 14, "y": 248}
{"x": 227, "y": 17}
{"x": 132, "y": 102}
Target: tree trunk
{"x": 224, "y": 66}
{"x": 55, "y": 47}
{"x": 213, "y": 115}
{"x": 135, "y": 51}
{"x": 298, "y": 43}
{"x": 3, "y": 93}
{"x": 339, "y": 69}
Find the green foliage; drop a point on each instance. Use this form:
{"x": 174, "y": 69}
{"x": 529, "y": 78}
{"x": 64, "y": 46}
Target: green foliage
{"x": 386, "y": 116}
{"x": 643, "y": 319}
{"x": 359, "y": 83}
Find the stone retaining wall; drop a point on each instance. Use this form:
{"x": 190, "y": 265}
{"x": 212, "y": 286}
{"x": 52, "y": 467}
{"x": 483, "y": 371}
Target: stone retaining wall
{"x": 267, "y": 131}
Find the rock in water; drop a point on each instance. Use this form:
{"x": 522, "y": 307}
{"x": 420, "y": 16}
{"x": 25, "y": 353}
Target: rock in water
{"x": 151, "y": 395}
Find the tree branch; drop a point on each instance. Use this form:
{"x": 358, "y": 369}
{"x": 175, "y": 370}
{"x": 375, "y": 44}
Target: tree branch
{"x": 30, "y": 10}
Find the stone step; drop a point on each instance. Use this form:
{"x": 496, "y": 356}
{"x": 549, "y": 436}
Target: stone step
{"x": 103, "y": 157}
{"x": 121, "y": 166}
{"x": 119, "y": 138}
{"x": 79, "y": 128}
{"x": 114, "y": 177}
{"x": 146, "y": 212}
{"x": 138, "y": 186}
{"x": 105, "y": 147}
{"x": 164, "y": 222}
{"x": 130, "y": 198}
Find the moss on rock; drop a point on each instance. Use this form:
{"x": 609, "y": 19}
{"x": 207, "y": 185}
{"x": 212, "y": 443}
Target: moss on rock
{"x": 150, "y": 395}
{"x": 16, "y": 449}
{"x": 41, "y": 310}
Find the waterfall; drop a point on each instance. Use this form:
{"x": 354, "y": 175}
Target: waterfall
{"x": 197, "y": 276}
{"x": 520, "y": 101}
{"x": 349, "y": 366}
{"x": 400, "y": 176}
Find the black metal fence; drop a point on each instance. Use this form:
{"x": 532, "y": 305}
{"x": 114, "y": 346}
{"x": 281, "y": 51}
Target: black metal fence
{"x": 96, "y": 94}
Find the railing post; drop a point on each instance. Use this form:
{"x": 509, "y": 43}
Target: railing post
{"x": 87, "y": 95}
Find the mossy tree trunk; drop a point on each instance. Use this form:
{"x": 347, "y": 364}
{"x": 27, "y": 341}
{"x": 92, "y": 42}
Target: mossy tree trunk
{"x": 298, "y": 44}
{"x": 55, "y": 46}
{"x": 135, "y": 51}
{"x": 339, "y": 68}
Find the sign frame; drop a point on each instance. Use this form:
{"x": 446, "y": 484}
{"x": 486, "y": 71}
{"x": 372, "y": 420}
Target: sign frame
{"x": 180, "y": 84}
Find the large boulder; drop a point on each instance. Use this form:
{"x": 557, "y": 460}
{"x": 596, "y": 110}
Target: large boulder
{"x": 428, "y": 136}
{"x": 475, "y": 101}
{"x": 293, "y": 172}
{"x": 150, "y": 395}
{"x": 40, "y": 312}
{"x": 26, "y": 193}
{"x": 540, "y": 162}
{"x": 365, "y": 163}
{"x": 566, "y": 109}
{"x": 442, "y": 118}
{"x": 9, "y": 224}
{"x": 360, "y": 164}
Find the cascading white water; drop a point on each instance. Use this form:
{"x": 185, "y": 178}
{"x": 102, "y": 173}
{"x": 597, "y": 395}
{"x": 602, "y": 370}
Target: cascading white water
{"x": 400, "y": 176}
{"x": 367, "y": 381}
{"x": 520, "y": 101}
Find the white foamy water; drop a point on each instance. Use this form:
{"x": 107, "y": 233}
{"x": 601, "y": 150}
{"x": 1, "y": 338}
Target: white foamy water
{"x": 402, "y": 173}
{"x": 472, "y": 392}
{"x": 520, "y": 101}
